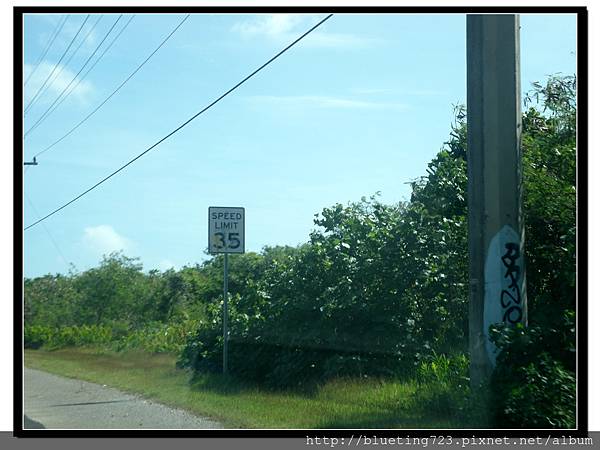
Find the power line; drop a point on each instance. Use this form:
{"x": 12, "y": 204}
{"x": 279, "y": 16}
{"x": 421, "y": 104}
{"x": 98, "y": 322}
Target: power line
{"x": 56, "y": 32}
{"x": 35, "y": 97}
{"x": 46, "y": 113}
{"x": 80, "y": 79}
{"x": 47, "y": 230}
{"x": 184, "y": 123}
{"x": 66, "y": 64}
{"x": 115, "y": 91}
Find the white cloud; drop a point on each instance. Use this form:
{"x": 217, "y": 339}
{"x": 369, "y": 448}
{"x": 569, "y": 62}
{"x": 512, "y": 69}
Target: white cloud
{"x": 316, "y": 101}
{"x": 59, "y": 80}
{"x": 287, "y": 27}
{"x": 103, "y": 239}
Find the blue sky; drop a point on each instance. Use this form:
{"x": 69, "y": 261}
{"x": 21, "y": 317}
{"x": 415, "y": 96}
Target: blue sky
{"x": 359, "y": 106}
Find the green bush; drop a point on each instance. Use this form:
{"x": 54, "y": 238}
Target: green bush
{"x": 157, "y": 337}
{"x": 35, "y": 336}
{"x": 534, "y": 385}
{"x": 444, "y": 384}
{"x": 545, "y": 398}
{"x": 296, "y": 327}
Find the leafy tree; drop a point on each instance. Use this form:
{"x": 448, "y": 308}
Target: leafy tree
{"x": 109, "y": 291}
{"x": 51, "y": 300}
{"x": 550, "y": 199}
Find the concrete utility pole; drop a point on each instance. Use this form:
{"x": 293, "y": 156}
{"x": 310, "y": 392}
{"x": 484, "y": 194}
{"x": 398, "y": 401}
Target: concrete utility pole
{"x": 496, "y": 234}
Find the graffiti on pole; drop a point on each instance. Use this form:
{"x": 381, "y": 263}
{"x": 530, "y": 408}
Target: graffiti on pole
{"x": 510, "y": 298}
{"x": 504, "y": 300}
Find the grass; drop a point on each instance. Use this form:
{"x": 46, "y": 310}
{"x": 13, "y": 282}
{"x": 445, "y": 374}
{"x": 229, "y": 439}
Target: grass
{"x": 342, "y": 403}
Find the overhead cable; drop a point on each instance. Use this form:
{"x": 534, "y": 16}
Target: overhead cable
{"x": 82, "y": 121}
{"x": 73, "y": 53}
{"x": 46, "y": 113}
{"x": 35, "y": 97}
{"x": 47, "y": 231}
{"x": 80, "y": 79}
{"x": 56, "y": 32}
{"x": 182, "y": 125}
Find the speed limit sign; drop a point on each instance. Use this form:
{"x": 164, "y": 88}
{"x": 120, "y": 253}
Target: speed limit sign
{"x": 225, "y": 230}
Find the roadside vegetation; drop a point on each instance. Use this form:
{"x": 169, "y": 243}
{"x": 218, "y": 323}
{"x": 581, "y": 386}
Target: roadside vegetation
{"x": 370, "y": 312}
{"x": 339, "y": 403}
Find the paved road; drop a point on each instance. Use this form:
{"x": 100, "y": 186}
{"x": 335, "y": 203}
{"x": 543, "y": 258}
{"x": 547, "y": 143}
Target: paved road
{"x": 56, "y": 402}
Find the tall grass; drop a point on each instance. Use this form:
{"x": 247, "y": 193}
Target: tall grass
{"x": 339, "y": 403}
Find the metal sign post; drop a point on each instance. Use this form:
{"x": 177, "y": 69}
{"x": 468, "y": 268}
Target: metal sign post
{"x": 225, "y": 315}
{"x": 226, "y": 229}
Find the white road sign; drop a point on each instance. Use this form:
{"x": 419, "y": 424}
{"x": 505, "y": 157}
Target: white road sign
{"x": 225, "y": 230}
